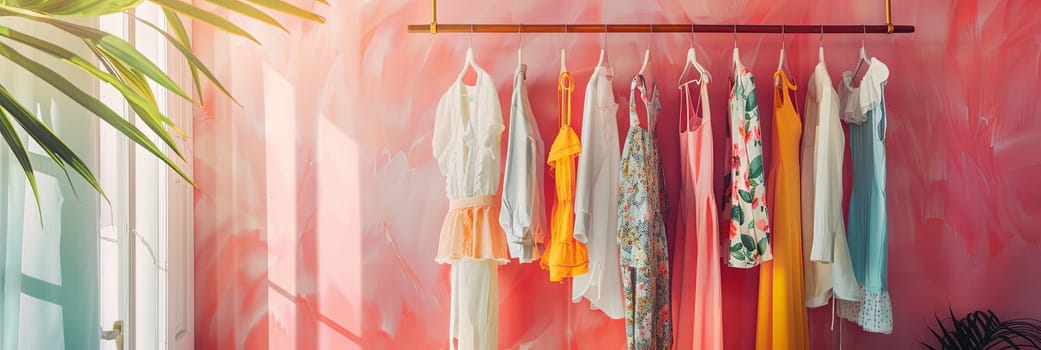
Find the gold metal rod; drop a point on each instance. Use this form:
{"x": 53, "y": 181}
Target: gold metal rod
{"x": 661, "y": 28}
{"x": 433, "y": 16}
{"x": 889, "y": 16}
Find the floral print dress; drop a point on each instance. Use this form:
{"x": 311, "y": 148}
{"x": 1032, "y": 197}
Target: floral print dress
{"x": 641, "y": 233}
{"x": 749, "y": 225}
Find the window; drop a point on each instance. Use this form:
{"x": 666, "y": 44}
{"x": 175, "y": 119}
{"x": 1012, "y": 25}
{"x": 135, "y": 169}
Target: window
{"x": 149, "y": 205}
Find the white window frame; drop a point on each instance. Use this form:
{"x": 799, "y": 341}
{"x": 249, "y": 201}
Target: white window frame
{"x": 172, "y": 248}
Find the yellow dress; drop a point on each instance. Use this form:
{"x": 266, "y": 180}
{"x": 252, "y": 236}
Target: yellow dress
{"x": 782, "y": 321}
{"x": 564, "y": 256}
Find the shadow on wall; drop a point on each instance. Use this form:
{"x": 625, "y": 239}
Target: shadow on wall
{"x": 278, "y": 260}
{"x": 319, "y": 201}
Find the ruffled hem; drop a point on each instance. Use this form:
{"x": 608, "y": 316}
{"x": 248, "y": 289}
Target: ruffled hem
{"x": 565, "y": 259}
{"x": 471, "y": 232}
{"x": 874, "y": 313}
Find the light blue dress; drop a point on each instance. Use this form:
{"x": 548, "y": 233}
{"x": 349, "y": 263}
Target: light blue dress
{"x": 864, "y": 109}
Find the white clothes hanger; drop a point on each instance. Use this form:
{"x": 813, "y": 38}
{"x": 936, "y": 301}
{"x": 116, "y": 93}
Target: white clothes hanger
{"x": 863, "y": 55}
{"x": 782, "y": 63}
{"x": 469, "y": 61}
{"x": 692, "y": 61}
{"x": 520, "y": 47}
{"x": 737, "y": 54}
{"x": 646, "y": 61}
{"x": 563, "y": 52}
{"x": 604, "y": 61}
{"x": 603, "y": 50}
{"x": 644, "y": 69}
{"x": 820, "y": 48}
{"x": 520, "y": 54}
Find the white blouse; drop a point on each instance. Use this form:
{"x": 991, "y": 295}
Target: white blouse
{"x": 467, "y": 130}
{"x": 523, "y": 214}
{"x": 596, "y": 198}
{"x": 824, "y": 234}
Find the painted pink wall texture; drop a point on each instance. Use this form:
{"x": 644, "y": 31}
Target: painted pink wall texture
{"x": 319, "y": 203}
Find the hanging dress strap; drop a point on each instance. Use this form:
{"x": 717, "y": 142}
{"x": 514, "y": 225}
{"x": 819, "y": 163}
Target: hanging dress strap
{"x": 653, "y": 105}
{"x": 688, "y": 107}
{"x": 706, "y": 115}
{"x": 565, "y": 85}
{"x": 641, "y": 84}
{"x": 786, "y": 88}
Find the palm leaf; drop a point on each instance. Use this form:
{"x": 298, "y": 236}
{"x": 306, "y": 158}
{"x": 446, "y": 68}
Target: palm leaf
{"x": 76, "y": 8}
{"x": 111, "y": 43}
{"x": 147, "y": 112}
{"x": 15, "y": 143}
{"x": 48, "y": 140}
{"x": 90, "y": 103}
{"x": 205, "y": 16}
{"x": 124, "y": 68}
{"x": 984, "y": 330}
{"x": 290, "y": 9}
{"x": 184, "y": 44}
{"x": 249, "y": 11}
{"x": 193, "y": 61}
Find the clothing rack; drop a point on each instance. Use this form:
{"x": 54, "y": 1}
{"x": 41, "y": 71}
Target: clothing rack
{"x": 434, "y": 27}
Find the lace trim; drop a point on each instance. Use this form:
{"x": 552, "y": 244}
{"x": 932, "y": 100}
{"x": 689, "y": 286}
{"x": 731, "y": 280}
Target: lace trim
{"x": 848, "y": 310}
{"x": 874, "y": 313}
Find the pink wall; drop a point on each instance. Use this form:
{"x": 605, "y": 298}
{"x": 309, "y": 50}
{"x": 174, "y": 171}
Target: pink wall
{"x": 319, "y": 202}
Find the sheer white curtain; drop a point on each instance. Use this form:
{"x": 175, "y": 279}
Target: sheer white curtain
{"x": 49, "y": 272}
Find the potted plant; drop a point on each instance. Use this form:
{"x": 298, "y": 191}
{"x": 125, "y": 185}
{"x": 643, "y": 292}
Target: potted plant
{"x": 984, "y": 330}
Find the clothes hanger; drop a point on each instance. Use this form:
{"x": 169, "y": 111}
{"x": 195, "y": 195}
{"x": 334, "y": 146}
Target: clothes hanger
{"x": 603, "y": 49}
{"x": 692, "y": 61}
{"x": 737, "y": 54}
{"x": 563, "y": 52}
{"x": 782, "y": 63}
{"x": 520, "y": 53}
{"x": 820, "y": 48}
{"x": 647, "y": 57}
{"x": 604, "y": 60}
{"x": 863, "y": 55}
{"x": 469, "y": 63}
{"x": 520, "y": 46}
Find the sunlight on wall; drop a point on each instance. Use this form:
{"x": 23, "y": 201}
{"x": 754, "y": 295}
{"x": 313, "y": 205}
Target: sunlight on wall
{"x": 339, "y": 238}
{"x": 280, "y": 126}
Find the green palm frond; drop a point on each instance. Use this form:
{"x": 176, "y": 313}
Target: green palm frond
{"x": 981, "y": 330}
{"x": 122, "y": 66}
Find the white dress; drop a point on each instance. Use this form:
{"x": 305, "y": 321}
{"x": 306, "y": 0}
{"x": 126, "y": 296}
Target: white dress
{"x": 596, "y": 198}
{"x": 523, "y": 215}
{"x": 825, "y": 251}
{"x": 466, "y": 143}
